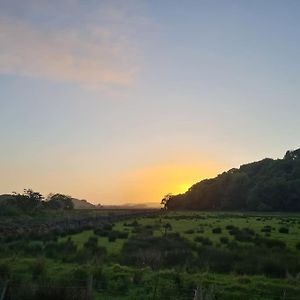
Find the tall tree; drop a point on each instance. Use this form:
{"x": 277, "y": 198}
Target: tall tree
{"x": 60, "y": 201}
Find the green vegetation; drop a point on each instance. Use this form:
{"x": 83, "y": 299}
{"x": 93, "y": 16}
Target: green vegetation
{"x": 266, "y": 185}
{"x": 31, "y": 202}
{"x": 171, "y": 255}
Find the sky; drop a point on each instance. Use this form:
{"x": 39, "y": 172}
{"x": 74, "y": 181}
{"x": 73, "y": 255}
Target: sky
{"x": 126, "y": 101}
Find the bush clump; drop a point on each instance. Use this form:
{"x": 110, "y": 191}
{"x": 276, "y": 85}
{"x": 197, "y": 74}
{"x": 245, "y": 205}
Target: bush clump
{"x": 203, "y": 240}
{"x": 270, "y": 243}
{"x": 283, "y": 230}
{"x": 190, "y": 231}
{"x": 224, "y": 239}
{"x": 38, "y": 268}
{"x": 166, "y": 251}
{"x": 112, "y": 235}
{"x": 266, "y": 229}
{"x": 62, "y": 250}
{"x": 5, "y": 271}
{"x": 231, "y": 227}
{"x": 243, "y": 235}
{"x": 217, "y": 230}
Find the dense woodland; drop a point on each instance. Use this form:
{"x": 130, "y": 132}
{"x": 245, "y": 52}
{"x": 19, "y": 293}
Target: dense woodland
{"x": 266, "y": 185}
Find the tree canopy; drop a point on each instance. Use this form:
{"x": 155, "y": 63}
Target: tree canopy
{"x": 60, "y": 201}
{"x": 266, "y": 185}
{"x": 30, "y": 201}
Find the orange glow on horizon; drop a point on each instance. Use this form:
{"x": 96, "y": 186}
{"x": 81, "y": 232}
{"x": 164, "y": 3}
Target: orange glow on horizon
{"x": 147, "y": 184}
{"x": 182, "y": 188}
{"x": 152, "y": 183}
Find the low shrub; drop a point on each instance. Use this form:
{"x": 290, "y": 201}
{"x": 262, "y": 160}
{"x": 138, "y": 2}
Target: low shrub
{"x": 60, "y": 249}
{"x": 143, "y": 230}
{"x": 135, "y": 223}
{"x": 101, "y": 232}
{"x": 114, "y": 234}
{"x": 217, "y": 230}
{"x": 108, "y": 226}
{"x": 79, "y": 274}
{"x": 266, "y": 229}
{"x": 231, "y": 227}
{"x": 273, "y": 268}
{"x": 112, "y": 237}
{"x": 216, "y": 259}
{"x": 283, "y": 230}
{"x": 165, "y": 251}
{"x": 5, "y": 271}
{"x": 203, "y": 240}
{"x": 91, "y": 243}
{"x": 122, "y": 235}
{"x": 270, "y": 243}
{"x": 33, "y": 248}
{"x": 38, "y": 268}
{"x": 244, "y": 280}
{"x": 224, "y": 240}
{"x": 244, "y": 235}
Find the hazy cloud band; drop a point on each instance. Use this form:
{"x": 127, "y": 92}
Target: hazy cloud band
{"x": 91, "y": 56}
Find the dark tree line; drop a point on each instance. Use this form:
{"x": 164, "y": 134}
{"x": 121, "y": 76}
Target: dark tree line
{"x": 30, "y": 201}
{"x": 266, "y": 185}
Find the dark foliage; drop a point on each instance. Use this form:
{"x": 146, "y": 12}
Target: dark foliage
{"x": 266, "y": 229}
{"x": 59, "y": 201}
{"x": 203, "y": 240}
{"x": 63, "y": 250}
{"x": 270, "y": 243}
{"x": 106, "y": 231}
{"x": 251, "y": 260}
{"x": 266, "y": 185}
{"x": 217, "y": 230}
{"x": 166, "y": 251}
{"x": 31, "y": 202}
{"x": 283, "y": 230}
{"x": 224, "y": 240}
{"x": 190, "y": 231}
{"x": 5, "y": 271}
{"x": 244, "y": 235}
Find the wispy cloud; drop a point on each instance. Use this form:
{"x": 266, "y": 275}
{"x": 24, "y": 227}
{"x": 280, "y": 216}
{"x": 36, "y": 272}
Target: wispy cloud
{"x": 93, "y": 54}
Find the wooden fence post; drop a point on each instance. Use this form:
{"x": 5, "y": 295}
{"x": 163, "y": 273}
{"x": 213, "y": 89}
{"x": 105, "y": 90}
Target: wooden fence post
{"x": 89, "y": 288}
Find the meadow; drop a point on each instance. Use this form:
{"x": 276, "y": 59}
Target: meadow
{"x": 166, "y": 255}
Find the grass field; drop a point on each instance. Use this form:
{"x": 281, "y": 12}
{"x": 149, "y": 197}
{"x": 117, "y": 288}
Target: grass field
{"x": 222, "y": 247}
{"x": 192, "y": 224}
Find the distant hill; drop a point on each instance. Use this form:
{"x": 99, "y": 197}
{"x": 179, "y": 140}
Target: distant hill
{"x": 4, "y": 198}
{"x": 83, "y": 204}
{"x": 7, "y": 199}
{"x": 266, "y": 185}
{"x": 147, "y": 205}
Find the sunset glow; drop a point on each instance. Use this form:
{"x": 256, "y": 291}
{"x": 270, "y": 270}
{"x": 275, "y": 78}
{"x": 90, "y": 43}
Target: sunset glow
{"x": 126, "y": 101}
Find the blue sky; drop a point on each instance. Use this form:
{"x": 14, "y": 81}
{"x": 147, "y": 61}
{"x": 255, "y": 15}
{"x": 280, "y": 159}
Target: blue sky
{"x": 124, "y": 101}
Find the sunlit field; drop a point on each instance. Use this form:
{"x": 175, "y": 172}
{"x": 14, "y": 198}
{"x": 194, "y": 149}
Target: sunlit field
{"x": 193, "y": 224}
{"x": 174, "y": 255}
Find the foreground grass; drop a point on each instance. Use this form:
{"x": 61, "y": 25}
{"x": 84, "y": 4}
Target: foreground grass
{"x": 121, "y": 282}
{"x": 114, "y": 281}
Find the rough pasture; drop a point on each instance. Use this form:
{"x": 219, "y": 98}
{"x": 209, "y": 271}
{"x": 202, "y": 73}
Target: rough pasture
{"x": 166, "y": 256}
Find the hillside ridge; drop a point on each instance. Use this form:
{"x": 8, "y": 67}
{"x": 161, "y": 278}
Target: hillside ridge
{"x": 265, "y": 185}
